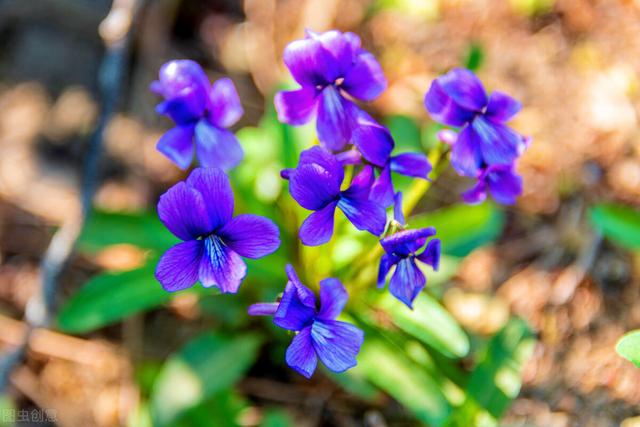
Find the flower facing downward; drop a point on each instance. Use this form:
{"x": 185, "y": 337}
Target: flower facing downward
{"x": 500, "y": 180}
{"x": 199, "y": 212}
{"x": 315, "y": 185}
{"x": 319, "y": 335}
{"x": 458, "y": 99}
{"x": 327, "y": 66}
{"x": 200, "y": 111}
{"x": 401, "y": 250}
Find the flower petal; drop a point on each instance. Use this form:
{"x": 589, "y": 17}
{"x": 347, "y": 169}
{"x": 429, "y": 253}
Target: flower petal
{"x": 431, "y": 254}
{"x": 386, "y": 262}
{"x": 361, "y": 184}
{"x": 295, "y": 107}
{"x": 404, "y": 243}
{"x": 505, "y": 185}
{"x": 177, "y": 75}
{"x": 382, "y": 188}
{"x": 336, "y": 343}
{"x": 326, "y": 160}
{"x": 317, "y": 229}
{"x": 502, "y": 107}
{"x": 313, "y": 187}
{"x": 177, "y": 145}
{"x": 476, "y": 194}
{"x": 214, "y": 186}
{"x": 372, "y": 139}
{"x": 251, "y": 236}
{"x": 340, "y": 47}
{"x": 365, "y": 80}
{"x": 398, "y": 214}
{"x": 217, "y": 147}
{"x": 333, "y": 298}
{"x": 221, "y": 266}
{"x": 185, "y": 108}
{"x": 178, "y": 267}
{"x": 407, "y": 281}
{"x": 464, "y": 88}
{"x": 364, "y": 214}
{"x": 309, "y": 62}
{"x": 263, "y": 309}
{"x": 336, "y": 119}
{"x": 182, "y": 210}
{"x": 466, "y": 157}
{"x": 301, "y": 356}
{"x": 225, "y": 106}
{"x": 411, "y": 164}
{"x": 297, "y": 306}
{"x": 443, "y": 109}
{"x": 498, "y": 143}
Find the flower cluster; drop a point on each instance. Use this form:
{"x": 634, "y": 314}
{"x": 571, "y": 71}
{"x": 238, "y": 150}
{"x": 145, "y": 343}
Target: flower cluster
{"x": 486, "y": 148}
{"x": 333, "y": 71}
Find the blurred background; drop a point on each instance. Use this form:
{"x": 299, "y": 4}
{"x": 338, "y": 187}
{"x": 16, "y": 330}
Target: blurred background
{"x": 517, "y": 329}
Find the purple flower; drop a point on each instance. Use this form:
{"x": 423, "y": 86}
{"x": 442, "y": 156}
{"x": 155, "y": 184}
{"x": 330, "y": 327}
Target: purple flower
{"x": 327, "y": 66}
{"x": 319, "y": 334}
{"x": 200, "y": 111}
{"x": 459, "y": 99}
{"x": 401, "y": 250}
{"x": 375, "y": 143}
{"x": 199, "y": 212}
{"x": 315, "y": 184}
{"x": 500, "y": 180}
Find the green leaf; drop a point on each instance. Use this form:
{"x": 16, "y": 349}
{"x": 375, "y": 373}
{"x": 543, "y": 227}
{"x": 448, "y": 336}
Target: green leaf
{"x": 220, "y": 410}
{"x": 629, "y": 347}
{"x": 110, "y": 228}
{"x": 205, "y": 366}
{"x": 387, "y": 368}
{"x": 7, "y": 411}
{"x": 430, "y": 323}
{"x": 463, "y": 228}
{"x": 108, "y": 298}
{"x": 619, "y": 223}
{"x": 276, "y": 418}
{"x": 474, "y": 57}
{"x": 497, "y": 378}
{"x": 405, "y": 132}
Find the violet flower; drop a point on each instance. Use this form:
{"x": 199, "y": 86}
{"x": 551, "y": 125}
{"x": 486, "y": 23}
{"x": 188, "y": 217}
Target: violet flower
{"x": 315, "y": 184}
{"x": 401, "y": 249}
{"x": 199, "y": 212}
{"x": 500, "y": 180}
{"x": 327, "y": 66}
{"x": 202, "y": 112}
{"x": 458, "y": 99}
{"x": 319, "y": 335}
{"x": 375, "y": 143}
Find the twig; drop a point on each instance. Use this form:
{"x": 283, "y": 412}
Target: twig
{"x": 115, "y": 31}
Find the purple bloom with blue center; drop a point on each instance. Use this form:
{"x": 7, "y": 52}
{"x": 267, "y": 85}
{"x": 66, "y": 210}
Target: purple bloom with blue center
{"x": 401, "y": 250}
{"x": 199, "y": 211}
{"x": 458, "y": 99}
{"x": 327, "y": 66}
{"x": 315, "y": 184}
{"x": 375, "y": 143}
{"x": 500, "y": 180}
{"x": 319, "y": 335}
{"x": 202, "y": 112}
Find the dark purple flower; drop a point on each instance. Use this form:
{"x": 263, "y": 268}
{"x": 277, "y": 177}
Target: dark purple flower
{"x": 327, "y": 66}
{"x": 319, "y": 335}
{"x": 458, "y": 99}
{"x": 200, "y": 111}
{"x": 401, "y": 249}
{"x": 199, "y": 212}
{"x": 500, "y": 180}
{"x": 315, "y": 184}
{"x": 375, "y": 143}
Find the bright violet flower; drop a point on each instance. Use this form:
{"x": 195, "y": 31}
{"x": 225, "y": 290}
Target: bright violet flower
{"x": 375, "y": 143}
{"x": 199, "y": 212}
{"x": 319, "y": 335}
{"x": 202, "y": 112}
{"x": 327, "y": 66}
{"x": 315, "y": 184}
{"x": 401, "y": 250}
{"x": 458, "y": 99}
{"x": 500, "y": 180}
